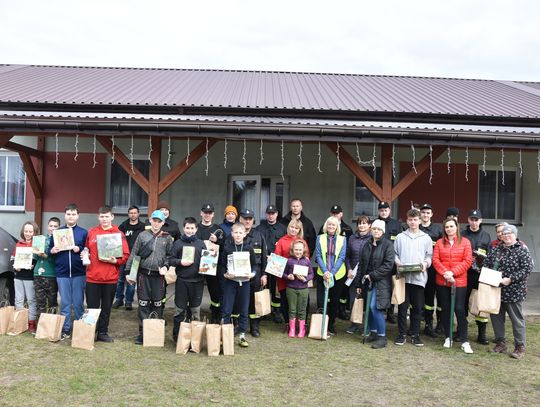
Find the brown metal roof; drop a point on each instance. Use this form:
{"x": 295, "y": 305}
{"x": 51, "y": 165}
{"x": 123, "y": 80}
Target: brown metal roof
{"x": 31, "y": 84}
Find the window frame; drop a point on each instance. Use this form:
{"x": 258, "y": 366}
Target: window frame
{"x": 122, "y": 210}
{"x": 517, "y": 193}
{"x": 13, "y": 208}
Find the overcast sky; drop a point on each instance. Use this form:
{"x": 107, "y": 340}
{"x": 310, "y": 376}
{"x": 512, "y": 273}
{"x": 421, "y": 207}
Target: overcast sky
{"x": 464, "y": 39}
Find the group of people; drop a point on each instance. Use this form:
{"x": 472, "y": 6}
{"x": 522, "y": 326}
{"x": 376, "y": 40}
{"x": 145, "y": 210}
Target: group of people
{"x": 435, "y": 262}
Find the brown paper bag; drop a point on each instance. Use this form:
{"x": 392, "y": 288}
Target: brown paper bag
{"x": 398, "y": 293}
{"x": 489, "y": 298}
{"x": 227, "y": 331}
{"x": 154, "y": 332}
{"x": 6, "y": 313}
{"x": 315, "y": 327}
{"x": 50, "y": 327}
{"x": 83, "y": 335}
{"x": 357, "y": 312}
{"x": 18, "y": 322}
{"x": 170, "y": 275}
{"x": 262, "y": 303}
{"x": 473, "y": 305}
{"x": 198, "y": 336}
{"x": 213, "y": 339}
{"x": 184, "y": 338}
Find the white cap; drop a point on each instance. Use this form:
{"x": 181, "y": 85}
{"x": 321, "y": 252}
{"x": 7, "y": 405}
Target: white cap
{"x": 377, "y": 223}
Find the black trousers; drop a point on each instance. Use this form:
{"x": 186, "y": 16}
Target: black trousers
{"x": 255, "y": 285}
{"x": 414, "y": 296}
{"x": 429, "y": 296}
{"x": 215, "y": 291}
{"x": 150, "y": 294}
{"x": 101, "y": 296}
{"x": 334, "y": 295}
{"x": 444, "y": 296}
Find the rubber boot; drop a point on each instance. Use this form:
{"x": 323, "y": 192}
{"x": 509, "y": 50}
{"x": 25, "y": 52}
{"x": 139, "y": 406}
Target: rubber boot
{"x": 32, "y": 326}
{"x": 292, "y": 328}
{"x": 254, "y": 327}
{"x": 429, "y": 331}
{"x": 482, "y": 340}
{"x": 302, "y": 328}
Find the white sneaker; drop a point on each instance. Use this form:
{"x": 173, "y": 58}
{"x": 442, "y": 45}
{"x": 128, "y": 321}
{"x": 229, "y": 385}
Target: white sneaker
{"x": 447, "y": 344}
{"x": 466, "y": 347}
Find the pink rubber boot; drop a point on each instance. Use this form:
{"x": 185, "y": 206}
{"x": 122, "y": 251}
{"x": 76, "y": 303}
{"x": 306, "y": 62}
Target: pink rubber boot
{"x": 302, "y": 328}
{"x": 292, "y": 328}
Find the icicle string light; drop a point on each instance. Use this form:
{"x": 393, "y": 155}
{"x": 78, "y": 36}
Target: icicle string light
{"x": 358, "y": 154}
{"x": 370, "y": 162}
{"x": 484, "y": 163}
{"x": 113, "y": 152}
{"x": 188, "y": 152}
{"x": 319, "y": 159}
{"x": 393, "y": 161}
{"x": 502, "y": 166}
{"x": 414, "y": 159}
{"x": 520, "y": 165}
{"x": 538, "y": 165}
{"x": 430, "y": 164}
{"x": 169, "y": 153}
{"x": 300, "y": 163}
{"x": 150, "y": 149}
{"x": 282, "y": 159}
{"x": 374, "y": 155}
{"x": 131, "y": 155}
{"x": 94, "y": 153}
{"x": 206, "y": 157}
{"x": 76, "y": 147}
{"x": 261, "y": 153}
{"x": 449, "y": 159}
{"x": 56, "y": 150}
{"x": 337, "y": 157}
{"x": 467, "y": 164}
{"x": 225, "y": 154}
{"x": 244, "y": 157}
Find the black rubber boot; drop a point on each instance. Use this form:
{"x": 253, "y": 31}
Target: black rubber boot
{"x": 482, "y": 340}
{"x": 254, "y": 327}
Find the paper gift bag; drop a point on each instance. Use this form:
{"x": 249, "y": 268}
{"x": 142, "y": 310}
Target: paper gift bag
{"x": 18, "y": 322}
{"x": 170, "y": 275}
{"x": 50, "y": 327}
{"x": 154, "y": 332}
{"x": 83, "y": 335}
{"x": 213, "y": 339}
{"x": 398, "y": 293}
{"x": 473, "y": 305}
{"x": 262, "y": 303}
{"x": 198, "y": 336}
{"x": 315, "y": 327}
{"x": 184, "y": 338}
{"x": 357, "y": 312}
{"x": 489, "y": 298}
{"x": 6, "y": 313}
{"x": 227, "y": 331}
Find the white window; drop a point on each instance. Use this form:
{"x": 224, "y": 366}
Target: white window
{"x": 499, "y": 194}
{"x": 364, "y": 201}
{"x": 12, "y": 182}
{"x": 124, "y": 191}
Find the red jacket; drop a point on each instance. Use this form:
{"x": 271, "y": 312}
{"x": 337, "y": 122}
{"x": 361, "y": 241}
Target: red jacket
{"x": 283, "y": 247}
{"x": 456, "y": 258}
{"x": 99, "y": 271}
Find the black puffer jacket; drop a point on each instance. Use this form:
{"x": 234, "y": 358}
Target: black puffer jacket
{"x": 382, "y": 262}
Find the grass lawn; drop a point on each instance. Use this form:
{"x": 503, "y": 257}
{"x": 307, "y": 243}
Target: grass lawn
{"x": 273, "y": 371}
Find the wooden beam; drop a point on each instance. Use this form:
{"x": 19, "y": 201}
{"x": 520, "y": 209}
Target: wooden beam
{"x": 421, "y": 167}
{"x": 182, "y": 167}
{"x": 386, "y": 168}
{"x": 124, "y": 162}
{"x": 153, "y": 179}
{"x": 31, "y": 174}
{"x": 20, "y": 148}
{"x": 4, "y": 139}
{"x": 357, "y": 170}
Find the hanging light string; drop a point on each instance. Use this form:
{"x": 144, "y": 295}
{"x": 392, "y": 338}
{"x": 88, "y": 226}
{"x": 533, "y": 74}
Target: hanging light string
{"x": 56, "y": 150}
{"x": 484, "y": 163}
{"x": 169, "y": 153}
{"x": 467, "y": 163}
{"x": 261, "y": 153}
{"x": 374, "y": 156}
{"x": 502, "y": 166}
{"x": 113, "y": 152}
{"x": 449, "y": 159}
{"x": 131, "y": 155}
{"x": 76, "y": 147}
{"x": 225, "y": 154}
{"x": 413, "y": 159}
{"x": 520, "y": 165}
{"x": 393, "y": 161}
{"x": 188, "y": 152}
{"x": 206, "y": 157}
{"x": 94, "y": 153}
{"x": 337, "y": 156}
{"x": 282, "y": 159}
{"x": 319, "y": 159}
{"x": 538, "y": 165}
{"x": 300, "y": 163}
{"x": 358, "y": 154}
{"x": 430, "y": 164}
{"x": 150, "y": 149}
{"x": 370, "y": 162}
{"x": 244, "y": 157}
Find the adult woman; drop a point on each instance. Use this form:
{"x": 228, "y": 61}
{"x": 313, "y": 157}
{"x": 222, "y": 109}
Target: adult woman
{"x": 515, "y": 262}
{"x": 295, "y": 231}
{"x": 498, "y": 232}
{"x": 330, "y": 252}
{"x": 355, "y": 245}
{"x": 375, "y": 273}
{"x": 452, "y": 257}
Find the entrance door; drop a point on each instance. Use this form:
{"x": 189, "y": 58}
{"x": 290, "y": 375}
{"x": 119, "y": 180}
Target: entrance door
{"x": 256, "y": 192}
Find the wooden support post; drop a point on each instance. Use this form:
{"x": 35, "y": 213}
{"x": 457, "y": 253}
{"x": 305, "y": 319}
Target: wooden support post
{"x": 4, "y": 139}
{"x": 38, "y": 212}
{"x": 386, "y": 167}
{"x": 153, "y": 179}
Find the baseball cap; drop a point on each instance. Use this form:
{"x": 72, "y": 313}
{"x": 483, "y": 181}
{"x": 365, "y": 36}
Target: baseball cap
{"x": 247, "y": 213}
{"x": 452, "y": 211}
{"x": 475, "y": 213}
{"x": 158, "y": 215}
{"x": 426, "y": 206}
{"x": 383, "y": 205}
{"x": 336, "y": 209}
{"x": 207, "y": 208}
{"x": 271, "y": 209}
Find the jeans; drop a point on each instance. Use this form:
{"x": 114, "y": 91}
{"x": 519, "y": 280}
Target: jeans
{"x": 25, "y": 289}
{"x": 130, "y": 289}
{"x": 71, "y": 296}
{"x": 376, "y": 321}
{"x": 239, "y": 294}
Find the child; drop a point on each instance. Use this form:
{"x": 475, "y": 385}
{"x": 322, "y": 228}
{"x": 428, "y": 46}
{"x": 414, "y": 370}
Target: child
{"x": 189, "y": 283}
{"x": 45, "y": 284}
{"x": 297, "y": 292}
{"x": 24, "y": 284}
{"x": 236, "y": 289}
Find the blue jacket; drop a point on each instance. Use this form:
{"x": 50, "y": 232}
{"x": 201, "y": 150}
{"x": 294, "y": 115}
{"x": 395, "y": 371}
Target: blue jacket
{"x": 67, "y": 262}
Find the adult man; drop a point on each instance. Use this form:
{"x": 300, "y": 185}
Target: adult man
{"x": 452, "y": 212}
{"x": 208, "y": 230}
{"x": 255, "y": 239}
{"x": 103, "y": 270}
{"x": 337, "y": 212}
{"x": 70, "y": 272}
{"x": 170, "y": 226}
{"x": 296, "y": 212}
{"x": 153, "y": 246}
{"x": 481, "y": 243}
{"x": 434, "y": 231}
{"x": 412, "y": 247}
{"x": 392, "y": 228}
{"x": 273, "y": 231}
{"x": 131, "y": 228}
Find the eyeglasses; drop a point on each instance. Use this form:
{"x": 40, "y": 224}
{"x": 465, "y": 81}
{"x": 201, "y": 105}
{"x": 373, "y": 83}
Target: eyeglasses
{"x": 507, "y": 233}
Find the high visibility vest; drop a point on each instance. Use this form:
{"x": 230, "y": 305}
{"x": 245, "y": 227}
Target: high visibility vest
{"x": 340, "y": 241}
